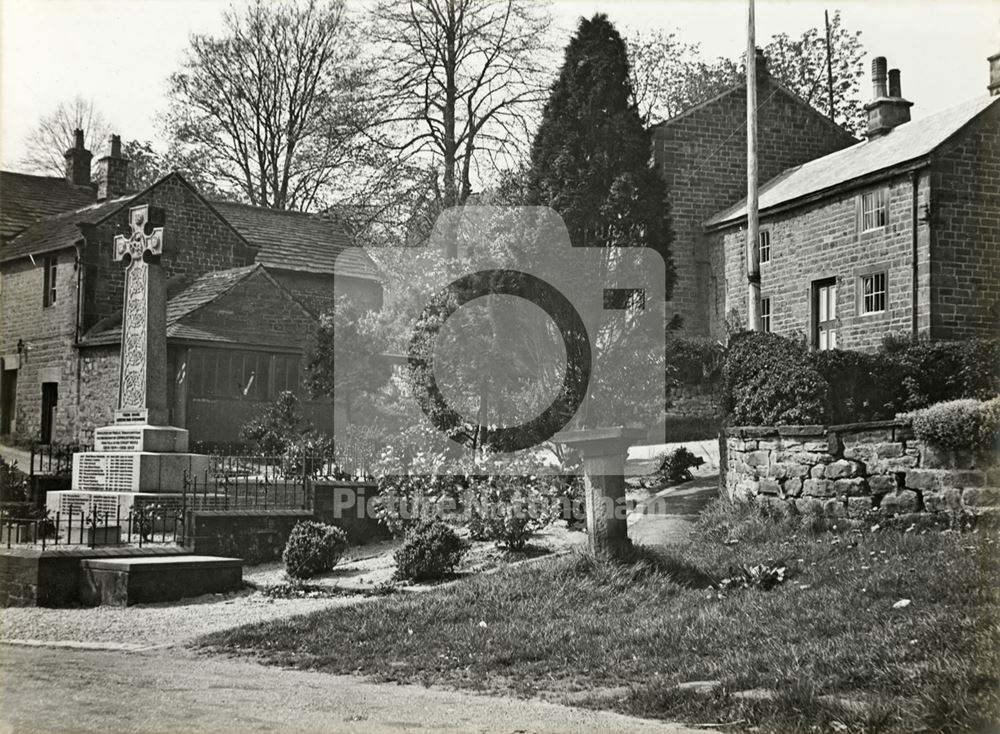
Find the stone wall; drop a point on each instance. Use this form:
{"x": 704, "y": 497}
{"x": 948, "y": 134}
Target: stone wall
{"x": 47, "y": 333}
{"x": 859, "y": 470}
{"x": 701, "y": 154}
{"x": 965, "y": 232}
{"x": 51, "y": 578}
{"x": 823, "y": 241}
{"x": 256, "y": 536}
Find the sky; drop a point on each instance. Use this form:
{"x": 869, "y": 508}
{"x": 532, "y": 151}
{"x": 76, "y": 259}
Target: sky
{"x": 119, "y": 53}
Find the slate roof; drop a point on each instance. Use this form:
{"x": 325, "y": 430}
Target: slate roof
{"x": 25, "y": 199}
{"x": 56, "y": 232}
{"x": 297, "y": 241}
{"x": 190, "y": 297}
{"x": 908, "y": 142}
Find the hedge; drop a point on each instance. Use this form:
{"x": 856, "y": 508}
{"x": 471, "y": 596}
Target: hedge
{"x": 772, "y": 380}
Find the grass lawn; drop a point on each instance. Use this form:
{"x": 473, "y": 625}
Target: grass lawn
{"x": 623, "y": 636}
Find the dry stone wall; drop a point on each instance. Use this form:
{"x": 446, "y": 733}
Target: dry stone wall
{"x": 858, "y": 470}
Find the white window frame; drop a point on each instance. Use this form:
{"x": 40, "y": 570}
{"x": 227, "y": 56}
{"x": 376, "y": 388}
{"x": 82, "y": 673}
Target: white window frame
{"x": 765, "y": 314}
{"x": 874, "y": 210}
{"x": 764, "y": 246}
{"x": 878, "y": 296}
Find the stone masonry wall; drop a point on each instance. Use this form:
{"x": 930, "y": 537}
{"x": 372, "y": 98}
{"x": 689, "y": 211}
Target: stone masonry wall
{"x": 824, "y": 241}
{"x": 858, "y": 471}
{"x": 196, "y": 240}
{"x": 965, "y": 231}
{"x": 701, "y": 155}
{"x": 48, "y": 333}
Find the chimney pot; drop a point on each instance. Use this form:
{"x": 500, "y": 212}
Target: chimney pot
{"x": 994, "y": 85}
{"x": 78, "y": 161}
{"x": 112, "y": 172}
{"x": 894, "y": 87}
{"x": 887, "y": 109}
{"x": 878, "y": 77}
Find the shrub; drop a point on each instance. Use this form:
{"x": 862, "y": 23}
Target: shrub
{"x": 695, "y": 361}
{"x": 861, "y": 386}
{"x": 676, "y": 466}
{"x": 769, "y": 380}
{"x": 959, "y": 424}
{"x": 13, "y": 483}
{"x": 313, "y": 548}
{"x": 509, "y": 509}
{"x": 933, "y": 372}
{"x": 430, "y": 551}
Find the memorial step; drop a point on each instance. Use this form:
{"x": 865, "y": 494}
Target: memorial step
{"x": 127, "y": 581}
{"x": 140, "y": 471}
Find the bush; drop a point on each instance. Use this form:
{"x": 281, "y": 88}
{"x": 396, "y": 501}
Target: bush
{"x": 509, "y": 509}
{"x": 430, "y": 551}
{"x": 933, "y": 372}
{"x": 695, "y": 361}
{"x": 959, "y": 425}
{"x": 769, "y": 380}
{"x": 676, "y": 466}
{"x": 862, "y": 386}
{"x": 313, "y": 548}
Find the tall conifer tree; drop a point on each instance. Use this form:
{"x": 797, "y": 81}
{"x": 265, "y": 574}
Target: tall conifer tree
{"x": 591, "y": 158}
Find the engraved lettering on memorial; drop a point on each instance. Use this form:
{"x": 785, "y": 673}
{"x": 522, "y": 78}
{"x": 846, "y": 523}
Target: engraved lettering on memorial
{"x": 135, "y": 312}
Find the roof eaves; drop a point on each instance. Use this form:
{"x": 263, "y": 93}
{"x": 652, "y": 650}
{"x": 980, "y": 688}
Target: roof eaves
{"x": 287, "y": 292}
{"x": 716, "y": 223}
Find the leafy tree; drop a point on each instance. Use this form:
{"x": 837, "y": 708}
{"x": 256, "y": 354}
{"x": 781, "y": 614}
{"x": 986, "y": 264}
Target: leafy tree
{"x": 461, "y": 81}
{"x": 800, "y": 64}
{"x": 590, "y": 162}
{"x": 670, "y": 76}
{"x": 47, "y": 143}
{"x": 268, "y": 109}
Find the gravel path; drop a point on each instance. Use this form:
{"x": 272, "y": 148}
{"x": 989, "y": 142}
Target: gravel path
{"x": 144, "y": 625}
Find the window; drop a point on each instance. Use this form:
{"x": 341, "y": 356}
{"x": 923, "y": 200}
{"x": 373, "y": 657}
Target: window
{"x": 825, "y": 314}
{"x": 874, "y": 210}
{"x": 873, "y": 292}
{"x": 765, "y": 314}
{"x": 764, "y": 239}
{"x": 50, "y": 266}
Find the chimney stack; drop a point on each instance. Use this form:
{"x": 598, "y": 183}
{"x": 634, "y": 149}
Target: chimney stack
{"x": 78, "y": 161}
{"x": 878, "y": 77}
{"x": 112, "y": 172}
{"x": 887, "y": 109}
{"x": 994, "y": 85}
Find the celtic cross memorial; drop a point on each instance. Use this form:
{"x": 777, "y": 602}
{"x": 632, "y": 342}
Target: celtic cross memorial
{"x": 142, "y": 383}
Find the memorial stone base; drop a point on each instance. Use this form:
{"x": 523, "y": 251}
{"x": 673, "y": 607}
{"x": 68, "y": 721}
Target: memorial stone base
{"x": 131, "y": 461}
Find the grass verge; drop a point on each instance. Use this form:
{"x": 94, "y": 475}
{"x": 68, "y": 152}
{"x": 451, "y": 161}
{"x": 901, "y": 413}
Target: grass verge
{"x": 824, "y": 651}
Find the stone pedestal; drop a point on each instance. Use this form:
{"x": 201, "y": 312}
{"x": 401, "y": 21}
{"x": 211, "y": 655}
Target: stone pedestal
{"x": 141, "y": 437}
{"x": 604, "y": 451}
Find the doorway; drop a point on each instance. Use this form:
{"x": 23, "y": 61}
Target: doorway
{"x": 8, "y": 396}
{"x": 50, "y": 400}
{"x": 825, "y": 323}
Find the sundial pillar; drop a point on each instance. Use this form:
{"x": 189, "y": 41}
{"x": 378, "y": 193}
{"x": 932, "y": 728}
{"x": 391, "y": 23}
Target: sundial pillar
{"x": 142, "y": 382}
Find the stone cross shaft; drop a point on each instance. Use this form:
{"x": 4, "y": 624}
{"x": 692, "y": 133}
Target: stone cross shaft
{"x": 142, "y": 384}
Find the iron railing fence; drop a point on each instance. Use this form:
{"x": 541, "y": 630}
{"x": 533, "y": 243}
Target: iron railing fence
{"x": 52, "y": 458}
{"x": 142, "y": 525}
{"x": 260, "y": 482}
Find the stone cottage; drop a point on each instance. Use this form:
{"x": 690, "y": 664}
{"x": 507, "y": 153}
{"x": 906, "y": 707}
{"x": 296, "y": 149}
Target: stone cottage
{"x": 701, "y": 154}
{"x": 898, "y": 235}
{"x": 246, "y": 288}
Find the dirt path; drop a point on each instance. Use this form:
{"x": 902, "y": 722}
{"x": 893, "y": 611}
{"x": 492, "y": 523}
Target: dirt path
{"x": 177, "y": 690}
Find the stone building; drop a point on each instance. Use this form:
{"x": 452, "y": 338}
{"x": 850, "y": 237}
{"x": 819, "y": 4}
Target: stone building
{"x": 899, "y": 234}
{"x": 702, "y": 154}
{"x": 245, "y": 289}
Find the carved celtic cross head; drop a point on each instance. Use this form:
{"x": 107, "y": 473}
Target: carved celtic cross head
{"x": 146, "y": 241}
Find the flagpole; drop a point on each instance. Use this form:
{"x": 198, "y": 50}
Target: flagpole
{"x": 752, "y": 245}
